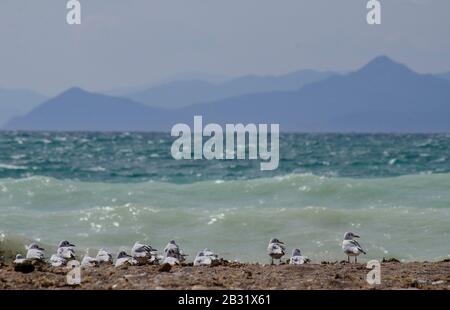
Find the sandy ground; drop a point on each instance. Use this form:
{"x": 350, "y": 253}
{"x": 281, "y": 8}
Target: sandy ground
{"x": 338, "y": 275}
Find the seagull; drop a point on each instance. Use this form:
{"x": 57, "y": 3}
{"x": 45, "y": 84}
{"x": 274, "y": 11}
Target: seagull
{"x": 351, "y": 247}
{"x": 175, "y": 250}
{"x": 171, "y": 245}
{"x": 172, "y": 257}
{"x": 297, "y": 258}
{"x": 208, "y": 252}
{"x": 202, "y": 260}
{"x": 65, "y": 250}
{"x": 124, "y": 259}
{"x": 104, "y": 257}
{"x": 276, "y": 249}
{"x": 35, "y": 252}
{"x": 205, "y": 258}
{"x": 57, "y": 261}
{"x": 142, "y": 253}
{"x": 65, "y": 244}
{"x": 88, "y": 261}
{"x": 20, "y": 259}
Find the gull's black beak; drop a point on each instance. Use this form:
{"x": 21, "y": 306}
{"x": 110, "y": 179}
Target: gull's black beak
{"x": 356, "y": 236}
{"x": 70, "y": 244}
{"x": 281, "y": 242}
{"x": 41, "y": 249}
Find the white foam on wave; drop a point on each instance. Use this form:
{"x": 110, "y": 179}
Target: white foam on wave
{"x": 12, "y": 167}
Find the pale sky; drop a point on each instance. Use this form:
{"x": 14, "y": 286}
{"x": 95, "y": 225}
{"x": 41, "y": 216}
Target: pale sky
{"x": 126, "y": 43}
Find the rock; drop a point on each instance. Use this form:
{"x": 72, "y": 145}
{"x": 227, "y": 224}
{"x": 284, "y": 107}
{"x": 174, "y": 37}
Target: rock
{"x": 165, "y": 268}
{"x": 24, "y": 268}
{"x": 390, "y": 260}
{"x": 418, "y": 283}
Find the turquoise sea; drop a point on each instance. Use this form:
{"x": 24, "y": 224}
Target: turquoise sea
{"x": 110, "y": 189}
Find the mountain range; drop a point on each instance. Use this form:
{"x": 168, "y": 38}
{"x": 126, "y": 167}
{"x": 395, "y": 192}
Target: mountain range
{"x": 15, "y": 102}
{"x": 382, "y": 96}
{"x": 181, "y": 93}
{"x": 76, "y": 110}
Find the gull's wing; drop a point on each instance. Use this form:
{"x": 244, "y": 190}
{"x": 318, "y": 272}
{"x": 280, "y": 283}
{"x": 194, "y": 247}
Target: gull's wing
{"x": 357, "y": 245}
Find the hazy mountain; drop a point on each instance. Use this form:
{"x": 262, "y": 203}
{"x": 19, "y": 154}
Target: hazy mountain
{"x": 14, "y": 102}
{"x": 77, "y": 109}
{"x": 130, "y": 91}
{"x": 383, "y": 96}
{"x": 181, "y": 93}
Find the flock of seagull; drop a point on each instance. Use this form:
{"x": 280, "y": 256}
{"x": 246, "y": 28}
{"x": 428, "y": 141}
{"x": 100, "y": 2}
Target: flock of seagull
{"x": 277, "y": 250}
{"x": 142, "y": 254}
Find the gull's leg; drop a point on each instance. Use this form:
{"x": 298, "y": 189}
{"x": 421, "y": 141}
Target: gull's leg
{"x": 348, "y": 259}
{"x": 272, "y": 261}
{"x": 356, "y": 259}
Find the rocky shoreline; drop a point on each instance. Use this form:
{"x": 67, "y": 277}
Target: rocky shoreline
{"x": 230, "y": 275}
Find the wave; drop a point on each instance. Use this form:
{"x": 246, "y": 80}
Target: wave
{"x": 406, "y": 216}
{"x": 12, "y": 167}
{"x": 294, "y": 190}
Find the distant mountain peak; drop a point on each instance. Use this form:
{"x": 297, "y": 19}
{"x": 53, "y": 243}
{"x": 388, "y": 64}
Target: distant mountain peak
{"x": 384, "y": 64}
{"x": 73, "y": 91}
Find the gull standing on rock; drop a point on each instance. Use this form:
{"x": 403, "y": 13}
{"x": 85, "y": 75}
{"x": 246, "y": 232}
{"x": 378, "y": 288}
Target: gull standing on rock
{"x": 276, "y": 249}
{"x": 208, "y": 252}
{"x": 34, "y": 252}
{"x": 205, "y": 258}
{"x": 104, "y": 257}
{"x": 143, "y": 253}
{"x": 88, "y": 261}
{"x": 172, "y": 257}
{"x": 297, "y": 258}
{"x": 123, "y": 259}
{"x": 66, "y": 250}
{"x": 57, "y": 261}
{"x": 351, "y": 247}
{"x": 176, "y": 251}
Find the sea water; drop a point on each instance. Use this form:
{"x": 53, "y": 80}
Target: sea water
{"x": 107, "y": 190}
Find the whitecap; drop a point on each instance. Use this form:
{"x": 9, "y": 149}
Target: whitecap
{"x": 96, "y": 169}
{"x": 441, "y": 160}
{"x": 18, "y": 156}
{"x": 12, "y": 167}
